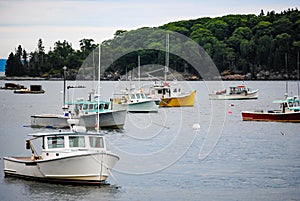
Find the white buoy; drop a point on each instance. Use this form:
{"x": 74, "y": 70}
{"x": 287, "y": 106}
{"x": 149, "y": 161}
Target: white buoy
{"x": 196, "y": 127}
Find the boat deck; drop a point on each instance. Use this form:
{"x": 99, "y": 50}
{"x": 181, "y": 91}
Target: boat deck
{"x": 22, "y": 158}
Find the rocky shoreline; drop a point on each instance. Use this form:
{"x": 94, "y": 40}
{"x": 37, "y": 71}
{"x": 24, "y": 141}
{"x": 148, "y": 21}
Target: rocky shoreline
{"x": 261, "y": 75}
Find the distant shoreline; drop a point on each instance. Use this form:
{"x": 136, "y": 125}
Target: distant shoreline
{"x": 61, "y": 79}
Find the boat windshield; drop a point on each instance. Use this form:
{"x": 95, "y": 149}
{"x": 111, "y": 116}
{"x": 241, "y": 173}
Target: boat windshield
{"x": 76, "y": 141}
{"x": 56, "y": 142}
{"x": 85, "y": 107}
{"x": 96, "y": 142}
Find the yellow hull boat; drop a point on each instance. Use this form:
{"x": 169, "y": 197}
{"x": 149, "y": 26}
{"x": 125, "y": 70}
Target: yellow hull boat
{"x": 180, "y": 101}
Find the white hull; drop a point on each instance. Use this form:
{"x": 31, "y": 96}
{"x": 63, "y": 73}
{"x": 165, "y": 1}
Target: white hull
{"x": 242, "y": 96}
{"x": 143, "y": 106}
{"x": 49, "y": 121}
{"x": 88, "y": 168}
{"x": 110, "y": 119}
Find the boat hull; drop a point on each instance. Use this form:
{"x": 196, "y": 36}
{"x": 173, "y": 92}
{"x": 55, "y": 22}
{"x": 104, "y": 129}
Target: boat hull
{"x": 142, "y": 106}
{"x": 182, "y": 101}
{"x": 108, "y": 119}
{"x": 28, "y": 92}
{"x": 90, "y": 168}
{"x": 49, "y": 121}
{"x": 145, "y": 106}
{"x": 273, "y": 116}
{"x": 242, "y": 96}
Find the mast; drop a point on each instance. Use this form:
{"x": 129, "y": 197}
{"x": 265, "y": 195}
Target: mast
{"x": 98, "y": 100}
{"x": 94, "y": 73}
{"x": 167, "y": 57}
{"x": 64, "y": 96}
{"x": 298, "y": 72}
{"x": 286, "y": 82}
{"x": 139, "y": 69}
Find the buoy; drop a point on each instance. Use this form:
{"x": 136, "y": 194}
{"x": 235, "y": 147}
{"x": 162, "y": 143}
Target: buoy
{"x": 231, "y": 104}
{"x": 196, "y": 127}
{"x": 229, "y": 112}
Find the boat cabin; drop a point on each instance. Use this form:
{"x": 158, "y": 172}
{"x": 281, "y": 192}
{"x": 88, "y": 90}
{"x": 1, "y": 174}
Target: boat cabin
{"x": 130, "y": 98}
{"x": 290, "y": 104}
{"x": 163, "y": 90}
{"x": 62, "y": 144}
{"x": 87, "y": 107}
{"x": 238, "y": 89}
{"x": 136, "y": 97}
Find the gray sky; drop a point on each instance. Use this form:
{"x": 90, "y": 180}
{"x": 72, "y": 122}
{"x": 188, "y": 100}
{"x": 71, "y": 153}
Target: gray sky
{"x": 23, "y": 22}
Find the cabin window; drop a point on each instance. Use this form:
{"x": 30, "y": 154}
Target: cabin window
{"x": 106, "y": 106}
{"x": 56, "y": 142}
{"x": 91, "y": 106}
{"x": 85, "y": 107}
{"x": 132, "y": 96}
{"x": 143, "y": 96}
{"x": 159, "y": 91}
{"x": 101, "y": 106}
{"x": 76, "y": 141}
{"x": 138, "y": 96}
{"x": 79, "y": 106}
{"x": 96, "y": 142}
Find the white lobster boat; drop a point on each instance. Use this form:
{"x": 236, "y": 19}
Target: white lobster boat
{"x": 72, "y": 157}
{"x": 240, "y": 92}
{"x": 134, "y": 101}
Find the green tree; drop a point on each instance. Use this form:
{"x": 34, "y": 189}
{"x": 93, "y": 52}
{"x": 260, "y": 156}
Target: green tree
{"x": 219, "y": 28}
{"x": 10, "y": 65}
{"x": 25, "y": 62}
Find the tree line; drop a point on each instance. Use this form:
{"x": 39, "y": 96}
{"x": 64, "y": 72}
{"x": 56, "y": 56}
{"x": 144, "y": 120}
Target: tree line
{"x": 245, "y": 44}
{"x": 42, "y": 64}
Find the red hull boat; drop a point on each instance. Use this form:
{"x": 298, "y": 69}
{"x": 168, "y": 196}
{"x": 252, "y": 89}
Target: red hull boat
{"x": 276, "y": 116}
{"x": 290, "y": 112}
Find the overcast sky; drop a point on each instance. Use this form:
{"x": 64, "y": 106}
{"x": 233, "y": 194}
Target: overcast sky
{"x": 23, "y": 22}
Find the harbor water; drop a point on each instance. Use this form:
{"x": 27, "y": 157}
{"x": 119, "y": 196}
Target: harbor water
{"x": 162, "y": 156}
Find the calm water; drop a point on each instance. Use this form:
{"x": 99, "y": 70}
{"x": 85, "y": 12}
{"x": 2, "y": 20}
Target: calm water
{"x": 162, "y": 158}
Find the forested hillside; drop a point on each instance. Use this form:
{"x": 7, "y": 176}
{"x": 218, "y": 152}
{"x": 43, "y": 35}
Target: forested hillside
{"x": 261, "y": 46}
{"x": 247, "y": 43}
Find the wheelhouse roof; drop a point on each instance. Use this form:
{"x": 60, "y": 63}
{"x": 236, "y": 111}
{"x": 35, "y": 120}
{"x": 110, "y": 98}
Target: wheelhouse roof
{"x": 238, "y": 87}
{"x": 87, "y": 102}
{"x": 64, "y": 133}
{"x": 288, "y": 100}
